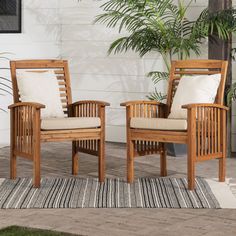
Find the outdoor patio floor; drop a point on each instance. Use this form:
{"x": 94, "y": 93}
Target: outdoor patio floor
{"x": 56, "y": 161}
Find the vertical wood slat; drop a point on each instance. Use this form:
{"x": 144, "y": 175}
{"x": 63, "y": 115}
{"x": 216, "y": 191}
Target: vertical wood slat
{"x": 212, "y": 132}
{"x": 208, "y": 131}
{"x": 23, "y": 126}
{"x": 219, "y": 131}
{"x": 215, "y": 128}
{"x": 202, "y": 132}
{"x": 198, "y": 130}
{"x": 144, "y": 111}
{"x": 87, "y": 110}
{"x": 205, "y": 132}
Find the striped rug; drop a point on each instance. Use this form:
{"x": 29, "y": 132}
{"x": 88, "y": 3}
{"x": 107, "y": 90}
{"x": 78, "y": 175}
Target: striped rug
{"x": 114, "y": 193}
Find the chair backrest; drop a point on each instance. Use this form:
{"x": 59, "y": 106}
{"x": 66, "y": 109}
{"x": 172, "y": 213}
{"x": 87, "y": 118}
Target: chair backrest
{"x": 60, "y": 68}
{"x": 196, "y": 67}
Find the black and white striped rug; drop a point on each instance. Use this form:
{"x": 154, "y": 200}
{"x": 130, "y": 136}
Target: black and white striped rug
{"x": 114, "y": 193}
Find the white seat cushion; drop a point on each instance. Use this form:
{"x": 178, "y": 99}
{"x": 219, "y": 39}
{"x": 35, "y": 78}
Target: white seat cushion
{"x": 158, "y": 123}
{"x": 41, "y": 87}
{"x": 70, "y": 123}
{"x": 194, "y": 89}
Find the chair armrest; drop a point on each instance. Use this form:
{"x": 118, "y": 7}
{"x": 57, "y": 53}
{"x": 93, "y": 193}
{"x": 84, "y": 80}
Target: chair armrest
{"x": 101, "y": 103}
{"x": 136, "y": 102}
{"x": 27, "y": 104}
{"x": 25, "y": 126}
{"x": 206, "y": 129}
{"x": 88, "y": 108}
{"x": 202, "y": 105}
{"x": 145, "y": 109}
{"x": 203, "y": 112}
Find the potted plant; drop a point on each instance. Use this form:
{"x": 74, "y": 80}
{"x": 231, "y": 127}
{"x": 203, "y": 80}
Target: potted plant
{"x": 163, "y": 27}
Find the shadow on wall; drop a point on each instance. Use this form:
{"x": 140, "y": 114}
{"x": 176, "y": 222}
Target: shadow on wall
{"x": 5, "y": 99}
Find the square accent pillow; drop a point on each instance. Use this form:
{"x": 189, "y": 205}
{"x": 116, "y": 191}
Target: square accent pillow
{"x": 194, "y": 89}
{"x": 41, "y": 87}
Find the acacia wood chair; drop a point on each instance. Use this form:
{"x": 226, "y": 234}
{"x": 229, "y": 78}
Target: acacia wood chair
{"x": 205, "y": 134}
{"x": 26, "y": 132}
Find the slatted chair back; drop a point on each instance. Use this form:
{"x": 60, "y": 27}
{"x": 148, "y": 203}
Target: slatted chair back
{"x": 60, "y": 68}
{"x": 196, "y": 67}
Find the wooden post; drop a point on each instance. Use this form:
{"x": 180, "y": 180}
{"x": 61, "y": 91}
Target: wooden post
{"x": 101, "y": 149}
{"x": 130, "y": 149}
{"x": 221, "y": 50}
{"x": 191, "y": 148}
{"x": 36, "y": 149}
{"x": 13, "y": 146}
{"x": 75, "y": 158}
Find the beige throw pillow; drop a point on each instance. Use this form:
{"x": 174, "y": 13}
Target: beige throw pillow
{"x": 194, "y": 89}
{"x": 41, "y": 87}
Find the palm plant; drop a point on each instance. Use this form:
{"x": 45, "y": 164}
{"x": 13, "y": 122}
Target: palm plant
{"x": 162, "y": 26}
{"x": 5, "y": 83}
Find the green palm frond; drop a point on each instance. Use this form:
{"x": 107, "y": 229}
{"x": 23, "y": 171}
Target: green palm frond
{"x": 221, "y": 23}
{"x": 145, "y": 20}
{"x": 158, "y": 76}
{"x": 131, "y": 15}
{"x": 161, "y": 26}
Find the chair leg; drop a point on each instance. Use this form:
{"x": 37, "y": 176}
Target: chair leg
{"x": 75, "y": 159}
{"x": 12, "y": 147}
{"x": 191, "y": 172}
{"x": 12, "y": 165}
{"x": 37, "y": 175}
{"x": 101, "y": 160}
{"x": 222, "y": 162}
{"x": 130, "y": 161}
{"x": 163, "y": 160}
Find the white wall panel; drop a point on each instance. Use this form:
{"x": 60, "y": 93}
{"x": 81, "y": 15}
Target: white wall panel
{"x": 113, "y": 83}
{"x": 41, "y": 4}
{"x": 115, "y": 98}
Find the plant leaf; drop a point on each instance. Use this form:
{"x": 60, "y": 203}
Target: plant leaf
{"x": 158, "y": 76}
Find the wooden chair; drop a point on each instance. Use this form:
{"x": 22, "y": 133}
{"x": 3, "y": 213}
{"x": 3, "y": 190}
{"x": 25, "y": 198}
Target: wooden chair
{"x": 26, "y": 133}
{"x": 205, "y": 135}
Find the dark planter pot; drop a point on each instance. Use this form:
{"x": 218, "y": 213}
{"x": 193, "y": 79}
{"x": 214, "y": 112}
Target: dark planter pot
{"x": 175, "y": 149}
